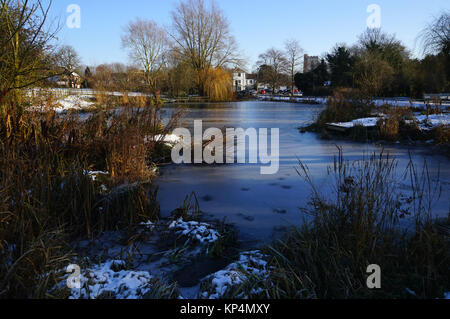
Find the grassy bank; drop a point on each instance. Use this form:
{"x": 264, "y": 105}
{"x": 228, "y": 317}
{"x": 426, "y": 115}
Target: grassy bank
{"x": 62, "y": 177}
{"x": 360, "y": 224}
{"x": 394, "y": 124}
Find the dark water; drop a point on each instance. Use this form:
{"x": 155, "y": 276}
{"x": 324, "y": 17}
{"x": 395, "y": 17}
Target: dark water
{"x": 262, "y": 206}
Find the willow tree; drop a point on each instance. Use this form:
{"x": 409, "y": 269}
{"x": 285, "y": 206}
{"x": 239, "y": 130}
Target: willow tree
{"x": 148, "y": 47}
{"x": 202, "y": 35}
{"x": 25, "y": 55}
{"x": 219, "y": 85}
{"x": 435, "y": 37}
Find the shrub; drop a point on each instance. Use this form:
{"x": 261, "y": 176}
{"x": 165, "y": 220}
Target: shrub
{"x": 343, "y": 106}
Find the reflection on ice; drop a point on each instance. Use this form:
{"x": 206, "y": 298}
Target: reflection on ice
{"x": 253, "y": 201}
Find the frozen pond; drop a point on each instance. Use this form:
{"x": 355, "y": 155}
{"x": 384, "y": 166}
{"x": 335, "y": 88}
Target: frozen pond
{"x": 262, "y": 206}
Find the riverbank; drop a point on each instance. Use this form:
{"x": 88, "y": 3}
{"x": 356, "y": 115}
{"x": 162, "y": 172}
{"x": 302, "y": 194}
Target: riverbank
{"x": 97, "y": 204}
{"x": 384, "y": 123}
{"x": 175, "y": 258}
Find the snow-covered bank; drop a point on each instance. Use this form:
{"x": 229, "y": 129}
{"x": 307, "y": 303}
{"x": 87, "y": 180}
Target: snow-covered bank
{"x": 407, "y": 103}
{"x": 145, "y": 266}
{"x": 366, "y": 122}
{"x": 110, "y": 279}
{"x": 425, "y": 122}
{"x": 297, "y": 99}
{"x": 73, "y": 102}
{"x": 68, "y": 103}
{"x": 377, "y": 102}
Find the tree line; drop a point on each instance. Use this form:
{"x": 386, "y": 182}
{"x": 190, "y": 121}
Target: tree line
{"x": 377, "y": 65}
{"x": 192, "y": 56}
{"x": 197, "y": 53}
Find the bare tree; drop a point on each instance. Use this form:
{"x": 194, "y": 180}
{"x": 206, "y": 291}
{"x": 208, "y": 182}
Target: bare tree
{"x": 202, "y": 34}
{"x": 294, "y": 57}
{"x": 68, "y": 58}
{"x": 25, "y": 36}
{"x": 273, "y": 65}
{"x": 68, "y": 61}
{"x": 148, "y": 47}
{"x": 435, "y": 37}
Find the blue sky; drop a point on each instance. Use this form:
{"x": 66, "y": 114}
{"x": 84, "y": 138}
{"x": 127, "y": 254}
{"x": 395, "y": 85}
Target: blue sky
{"x": 256, "y": 24}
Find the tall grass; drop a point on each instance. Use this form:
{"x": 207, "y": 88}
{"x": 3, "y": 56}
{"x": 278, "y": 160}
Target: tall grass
{"x": 361, "y": 224}
{"x": 48, "y": 196}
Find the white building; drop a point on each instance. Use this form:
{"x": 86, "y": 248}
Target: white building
{"x": 243, "y": 81}
{"x": 239, "y": 80}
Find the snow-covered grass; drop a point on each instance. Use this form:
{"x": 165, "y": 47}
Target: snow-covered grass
{"x": 427, "y": 122}
{"x": 73, "y": 102}
{"x": 201, "y": 232}
{"x": 111, "y": 280}
{"x": 107, "y": 280}
{"x": 403, "y": 102}
{"x": 366, "y": 122}
{"x": 231, "y": 282}
{"x": 168, "y": 139}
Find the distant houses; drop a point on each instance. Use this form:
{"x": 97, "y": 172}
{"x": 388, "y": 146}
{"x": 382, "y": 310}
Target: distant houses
{"x": 72, "y": 80}
{"x": 243, "y": 81}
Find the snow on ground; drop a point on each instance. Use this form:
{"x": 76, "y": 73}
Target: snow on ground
{"x": 94, "y": 174}
{"x": 395, "y": 102}
{"x": 223, "y": 282}
{"x": 108, "y": 280}
{"x": 425, "y": 122}
{"x": 366, "y": 122}
{"x": 319, "y": 100}
{"x": 148, "y": 225}
{"x": 202, "y": 232}
{"x": 169, "y": 139}
{"x": 73, "y": 102}
{"x": 431, "y": 121}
